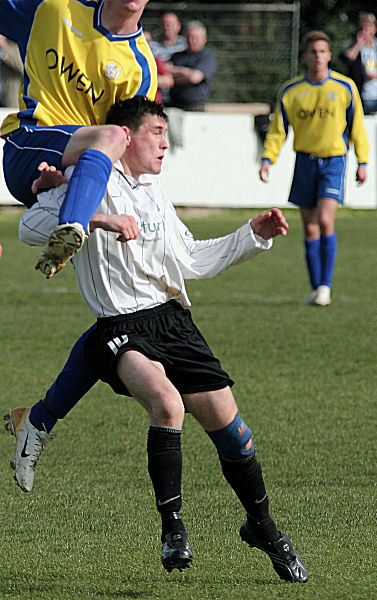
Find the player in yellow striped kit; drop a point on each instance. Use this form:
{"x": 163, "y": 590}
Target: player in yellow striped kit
{"x": 324, "y": 109}
{"x": 79, "y": 56}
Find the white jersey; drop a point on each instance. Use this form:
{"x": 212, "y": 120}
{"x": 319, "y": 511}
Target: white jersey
{"x": 120, "y": 278}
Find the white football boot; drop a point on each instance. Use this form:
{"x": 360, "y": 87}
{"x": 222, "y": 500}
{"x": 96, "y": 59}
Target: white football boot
{"x": 64, "y": 241}
{"x": 30, "y": 443}
{"x": 323, "y": 296}
{"x": 311, "y": 297}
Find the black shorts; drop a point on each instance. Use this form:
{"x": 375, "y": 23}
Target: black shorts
{"x": 166, "y": 334}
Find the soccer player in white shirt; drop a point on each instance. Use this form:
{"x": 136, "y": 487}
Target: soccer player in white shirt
{"x": 146, "y": 345}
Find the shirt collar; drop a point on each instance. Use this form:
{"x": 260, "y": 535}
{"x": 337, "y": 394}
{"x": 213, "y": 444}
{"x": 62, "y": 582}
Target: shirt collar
{"x": 144, "y": 179}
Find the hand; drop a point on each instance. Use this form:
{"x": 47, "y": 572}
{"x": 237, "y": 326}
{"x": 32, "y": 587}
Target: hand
{"x": 3, "y": 43}
{"x": 361, "y": 174}
{"x": 49, "y": 177}
{"x": 125, "y": 225}
{"x": 361, "y": 38}
{"x": 264, "y": 171}
{"x": 270, "y": 223}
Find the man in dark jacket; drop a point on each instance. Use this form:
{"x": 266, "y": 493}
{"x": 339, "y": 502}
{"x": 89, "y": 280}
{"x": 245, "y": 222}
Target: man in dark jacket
{"x": 193, "y": 71}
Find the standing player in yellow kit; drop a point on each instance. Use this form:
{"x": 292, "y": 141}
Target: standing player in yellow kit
{"x": 79, "y": 56}
{"x": 324, "y": 109}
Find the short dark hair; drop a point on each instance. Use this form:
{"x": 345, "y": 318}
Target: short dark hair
{"x": 314, "y": 36}
{"x": 131, "y": 112}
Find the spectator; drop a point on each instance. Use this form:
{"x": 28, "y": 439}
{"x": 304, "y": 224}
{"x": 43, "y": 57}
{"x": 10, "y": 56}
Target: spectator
{"x": 11, "y": 70}
{"x": 193, "y": 70}
{"x": 360, "y": 58}
{"x": 164, "y": 78}
{"x": 169, "y": 42}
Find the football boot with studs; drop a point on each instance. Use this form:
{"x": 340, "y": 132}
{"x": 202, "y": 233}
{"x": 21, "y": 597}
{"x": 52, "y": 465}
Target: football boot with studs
{"x": 64, "y": 242}
{"x": 176, "y": 551}
{"x": 30, "y": 443}
{"x": 287, "y": 564}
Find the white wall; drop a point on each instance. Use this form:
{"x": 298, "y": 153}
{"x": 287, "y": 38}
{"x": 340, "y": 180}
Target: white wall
{"x": 218, "y": 166}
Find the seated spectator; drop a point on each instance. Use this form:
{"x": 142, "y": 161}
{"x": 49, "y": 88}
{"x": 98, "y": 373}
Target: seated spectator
{"x": 360, "y": 58}
{"x": 164, "y": 78}
{"x": 193, "y": 71}
{"x": 11, "y": 72}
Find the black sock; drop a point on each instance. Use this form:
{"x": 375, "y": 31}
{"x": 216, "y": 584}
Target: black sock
{"x": 165, "y": 470}
{"x": 246, "y": 479}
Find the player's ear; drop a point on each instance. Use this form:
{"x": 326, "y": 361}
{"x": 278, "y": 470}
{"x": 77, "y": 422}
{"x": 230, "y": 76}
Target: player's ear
{"x": 127, "y": 130}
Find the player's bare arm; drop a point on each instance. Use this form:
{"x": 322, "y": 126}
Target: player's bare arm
{"x": 269, "y": 224}
{"x": 125, "y": 225}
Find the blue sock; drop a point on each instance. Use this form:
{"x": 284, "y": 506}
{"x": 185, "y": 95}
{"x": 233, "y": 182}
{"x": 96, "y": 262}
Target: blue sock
{"x": 86, "y": 188}
{"x": 313, "y": 261}
{"x": 328, "y": 258}
{"x": 72, "y": 383}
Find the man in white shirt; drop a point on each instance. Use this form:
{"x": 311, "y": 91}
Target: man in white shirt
{"x": 145, "y": 344}
{"x": 360, "y": 58}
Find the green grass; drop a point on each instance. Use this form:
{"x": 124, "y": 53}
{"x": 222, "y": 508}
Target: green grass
{"x": 305, "y": 382}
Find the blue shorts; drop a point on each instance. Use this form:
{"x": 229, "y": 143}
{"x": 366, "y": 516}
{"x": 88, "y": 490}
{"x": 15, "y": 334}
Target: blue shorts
{"x": 25, "y": 149}
{"x": 316, "y": 178}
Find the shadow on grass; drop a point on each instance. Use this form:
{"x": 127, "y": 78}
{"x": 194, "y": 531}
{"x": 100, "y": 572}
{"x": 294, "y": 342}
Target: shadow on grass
{"x": 208, "y": 585}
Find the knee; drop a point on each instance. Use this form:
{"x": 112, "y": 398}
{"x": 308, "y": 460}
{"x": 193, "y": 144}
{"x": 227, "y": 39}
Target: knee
{"x": 311, "y": 231}
{"x": 169, "y": 411}
{"x": 233, "y": 442}
{"x": 111, "y": 140}
{"x": 326, "y": 225}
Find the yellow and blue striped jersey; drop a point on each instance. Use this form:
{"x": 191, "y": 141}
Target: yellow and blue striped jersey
{"x": 74, "y": 69}
{"x": 325, "y": 118}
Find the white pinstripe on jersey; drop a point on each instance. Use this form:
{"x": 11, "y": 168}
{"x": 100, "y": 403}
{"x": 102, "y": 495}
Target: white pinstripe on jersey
{"x": 120, "y": 278}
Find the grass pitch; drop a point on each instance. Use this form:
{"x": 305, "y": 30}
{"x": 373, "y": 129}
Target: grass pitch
{"x": 305, "y": 382}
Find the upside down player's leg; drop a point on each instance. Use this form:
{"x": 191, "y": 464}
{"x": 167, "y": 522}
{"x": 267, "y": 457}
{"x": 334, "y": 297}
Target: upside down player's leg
{"x": 93, "y": 150}
{"x": 32, "y": 426}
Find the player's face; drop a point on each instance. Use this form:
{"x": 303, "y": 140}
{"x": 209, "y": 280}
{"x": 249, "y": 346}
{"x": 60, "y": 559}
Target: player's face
{"x": 147, "y": 147}
{"x": 133, "y": 6}
{"x": 317, "y": 57}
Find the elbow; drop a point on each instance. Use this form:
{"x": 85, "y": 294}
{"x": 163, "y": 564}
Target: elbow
{"x": 30, "y": 236}
{"x": 23, "y": 234}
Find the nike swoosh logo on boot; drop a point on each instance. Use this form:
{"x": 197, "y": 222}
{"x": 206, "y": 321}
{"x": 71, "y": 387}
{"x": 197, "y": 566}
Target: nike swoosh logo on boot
{"x": 23, "y": 453}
